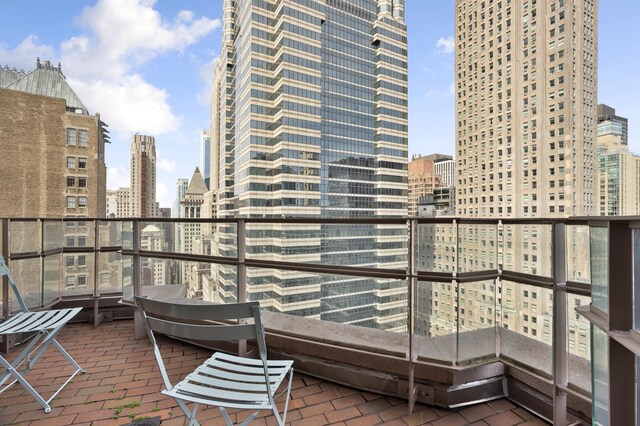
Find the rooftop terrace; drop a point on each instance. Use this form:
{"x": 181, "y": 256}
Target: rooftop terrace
{"x": 122, "y": 383}
{"x": 440, "y": 312}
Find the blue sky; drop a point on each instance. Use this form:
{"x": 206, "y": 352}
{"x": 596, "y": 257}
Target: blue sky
{"x": 146, "y": 66}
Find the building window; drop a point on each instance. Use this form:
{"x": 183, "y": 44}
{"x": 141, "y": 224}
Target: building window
{"x": 71, "y": 181}
{"x": 71, "y": 162}
{"x": 82, "y": 163}
{"x": 70, "y": 281}
{"x": 71, "y": 136}
{"x": 82, "y": 260}
{"x": 71, "y": 241}
{"x": 82, "y": 241}
{"x": 71, "y": 202}
{"x": 82, "y": 137}
{"x": 82, "y": 280}
{"x": 69, "y": 261}
{"x": 82, "y": 201}
{"x": 82, "y": 182}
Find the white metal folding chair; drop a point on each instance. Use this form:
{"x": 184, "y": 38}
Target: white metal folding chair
{"x": 47, "y": 325}
{"x": 225, "y": 381}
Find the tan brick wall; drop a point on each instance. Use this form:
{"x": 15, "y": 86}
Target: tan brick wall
{"x": 33, "y": 158}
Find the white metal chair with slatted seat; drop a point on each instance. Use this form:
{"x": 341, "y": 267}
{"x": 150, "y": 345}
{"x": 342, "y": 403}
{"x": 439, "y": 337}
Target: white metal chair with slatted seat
{"x": 47, "y": 325}
{"x": 225, "y": 381}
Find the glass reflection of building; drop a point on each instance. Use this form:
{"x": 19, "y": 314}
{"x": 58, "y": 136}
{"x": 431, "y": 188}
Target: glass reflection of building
{"x": 310, "y": 119}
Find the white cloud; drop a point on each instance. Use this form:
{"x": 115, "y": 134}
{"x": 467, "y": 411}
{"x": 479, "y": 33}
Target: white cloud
{"x": 24, "y": 55}
{"x": 123, "y": 35}
{"x": 129, "y": 105}
{"x": 166, "y": 165}
{"x": 206, "y": 76}
{"x": 445, "y": 45}
{"x": 452, "y": 88}
{"x": 118, "y": 177}
{"x": 162, "y": 195}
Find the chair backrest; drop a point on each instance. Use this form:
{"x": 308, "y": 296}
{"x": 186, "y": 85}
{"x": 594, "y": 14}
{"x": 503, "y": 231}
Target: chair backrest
{"x": 177, "y": 320}
{"x": 4, "y": 271}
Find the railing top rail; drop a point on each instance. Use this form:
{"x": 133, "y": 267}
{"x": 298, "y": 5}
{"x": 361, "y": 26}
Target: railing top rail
{"x": 574, "y": 220}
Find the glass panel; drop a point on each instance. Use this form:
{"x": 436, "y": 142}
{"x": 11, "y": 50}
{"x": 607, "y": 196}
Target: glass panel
{"x": 476, "y": 321}
{"x": 224, "y": 241}
{"x": 78, "y": 274}
{"x": 526, "y": 325}
{"x": 435, "y": 320}
{"x": 579, "y": 344}
{"x": 600, "y": 385}
{"x": 364, "y": 245}
{"x": 223, "y": 284}
{"x": 110, "y": 274}
{"x": 78, "y": 233}
{"x": 477, "y": 248}
{"x": 528, "y": 249}
{"x": 51, "y": 277}
{"x": 110, "y": 234}
{"x": 578, "y": 254}
{"x": 157, "y": 276}
{"x": 159, "y": 237}
{"x": 26, "y": 274}
{"x": 365, "y": 302}
{"x": 599, "y": 265}
{"x": 378, "y": 306}
{"x": 25, "y": 237}
{"x": 127, "y": 278}
{"x": 436, "y": 247}
{"x": 127, "y": 235}
{"x": 52, "y": 234}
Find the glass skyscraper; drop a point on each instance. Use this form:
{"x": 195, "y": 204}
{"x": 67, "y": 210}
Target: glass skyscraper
{"x": 309, "y": 119}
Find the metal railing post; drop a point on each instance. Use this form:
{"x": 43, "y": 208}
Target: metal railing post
{"x": 241, "y": 272}
{"x": 137, "y": 279}
{"x": 6, "y": 300}
{"x": 96, "y": 267}
{"x": 559, "y": 350}
{"x": 412, "y": 283}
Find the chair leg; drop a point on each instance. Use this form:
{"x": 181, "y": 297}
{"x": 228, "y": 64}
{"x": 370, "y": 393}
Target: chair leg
{"x": 226, "y": 417}
{"x": 19, "y": 360}
{"x": 13, "y": 372}
{"x": 191, "y": 415}
{"x": 281, "y": 420}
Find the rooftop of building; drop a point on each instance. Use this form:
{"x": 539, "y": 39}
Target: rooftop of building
{"x": 122, "y": 384}
{"x": 46, "y": 80}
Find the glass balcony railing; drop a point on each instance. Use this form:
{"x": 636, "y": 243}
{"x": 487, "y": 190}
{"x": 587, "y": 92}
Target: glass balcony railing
{"x": 458, "y": 305}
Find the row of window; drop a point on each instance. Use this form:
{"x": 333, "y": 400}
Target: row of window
{"x": 73, "y": 181}
{"x": 77, "y": 162}
{"x": 76, "y": 137}
{"x": 73, "y": 202}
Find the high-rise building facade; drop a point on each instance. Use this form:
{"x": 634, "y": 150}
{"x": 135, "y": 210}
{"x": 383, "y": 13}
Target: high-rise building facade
{"x": 310, "y": 118}
{"x": 526, "y": 86}
{"x": 424, "y": 179}
{"x": 190, "y": 241}
{"x": 619, "y": 183}
{"x": 610, "y": 124}
{"x": 143, "y": 176}
{"x": 205, "y": 156}
{"x": 618, "y": 169}
{"x": 181, "y": 188}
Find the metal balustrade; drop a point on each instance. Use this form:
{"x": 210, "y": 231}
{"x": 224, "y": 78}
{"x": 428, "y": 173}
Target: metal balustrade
{"x": 474, "y": 348}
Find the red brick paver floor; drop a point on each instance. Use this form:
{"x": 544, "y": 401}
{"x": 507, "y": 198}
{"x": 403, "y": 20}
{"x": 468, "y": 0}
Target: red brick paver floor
{"x": 122, "y": 383}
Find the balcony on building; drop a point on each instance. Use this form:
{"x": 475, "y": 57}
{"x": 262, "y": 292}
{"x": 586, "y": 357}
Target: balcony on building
{"x": 446, "y": 321}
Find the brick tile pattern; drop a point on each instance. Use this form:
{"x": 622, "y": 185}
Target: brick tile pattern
{"x": 123, "y": 383}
